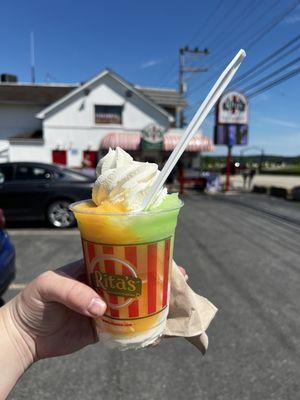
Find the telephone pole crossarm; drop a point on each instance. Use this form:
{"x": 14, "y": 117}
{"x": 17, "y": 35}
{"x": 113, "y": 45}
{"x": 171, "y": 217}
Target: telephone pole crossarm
{"x": 186, "y": 70}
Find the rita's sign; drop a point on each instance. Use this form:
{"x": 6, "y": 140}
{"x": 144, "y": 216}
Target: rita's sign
{"x": 233, "y": 109}
{"x": 232, "y": 113}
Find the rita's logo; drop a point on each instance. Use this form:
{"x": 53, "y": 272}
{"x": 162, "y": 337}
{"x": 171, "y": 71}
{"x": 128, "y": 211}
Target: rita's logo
{"x": 128, "y": 286}
{"x": 234, "y": 104}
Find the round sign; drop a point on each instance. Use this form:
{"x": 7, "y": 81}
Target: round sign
{"x": 153, "y": 133}
{"x": 232, "y": 109}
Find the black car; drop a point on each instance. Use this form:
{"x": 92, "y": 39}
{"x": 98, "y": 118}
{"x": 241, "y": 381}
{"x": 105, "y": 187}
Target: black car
{"x": 30, "y": 191}
{"x": 7, "y": 258}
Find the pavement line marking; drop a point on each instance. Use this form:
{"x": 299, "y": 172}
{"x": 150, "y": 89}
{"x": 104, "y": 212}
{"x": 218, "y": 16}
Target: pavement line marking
{"x": 26, "y": 232}
{"x": 17, "y": 286}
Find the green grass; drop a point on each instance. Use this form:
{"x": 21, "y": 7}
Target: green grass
{"x": 288, "y": 170}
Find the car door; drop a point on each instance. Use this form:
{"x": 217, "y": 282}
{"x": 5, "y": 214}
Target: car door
{"x": 28, "y": 191}
{"x": 6, "y": 175}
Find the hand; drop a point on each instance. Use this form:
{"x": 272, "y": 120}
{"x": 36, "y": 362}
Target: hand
{"x": 52, "y": 315}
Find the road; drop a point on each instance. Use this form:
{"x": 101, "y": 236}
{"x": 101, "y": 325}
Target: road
{"x": 280, "y": 181}
{"x": 240, "y": 251}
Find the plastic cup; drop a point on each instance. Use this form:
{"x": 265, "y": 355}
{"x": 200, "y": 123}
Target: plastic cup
{"x": 128, "y": 260}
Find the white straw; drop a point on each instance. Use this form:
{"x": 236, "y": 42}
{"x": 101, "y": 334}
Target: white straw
{"x": 194, "y": 125}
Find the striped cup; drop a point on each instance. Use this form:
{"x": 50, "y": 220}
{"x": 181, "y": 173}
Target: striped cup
{"x": 128, "y": 261}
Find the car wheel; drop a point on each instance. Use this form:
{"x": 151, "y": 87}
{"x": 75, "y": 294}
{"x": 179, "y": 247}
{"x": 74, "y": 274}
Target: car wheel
{"x": 59, "y": 215}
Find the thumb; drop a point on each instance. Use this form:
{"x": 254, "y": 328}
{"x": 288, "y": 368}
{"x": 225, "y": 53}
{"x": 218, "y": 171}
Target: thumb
{"x": 61, "y": 288}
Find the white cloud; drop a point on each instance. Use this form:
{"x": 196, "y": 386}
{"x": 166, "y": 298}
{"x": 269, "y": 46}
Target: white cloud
{"x": 260, "y": 98}
{"x": 293, "y": 19}
{"x": 150, "y": 63}
{"x": 281, "y": 122}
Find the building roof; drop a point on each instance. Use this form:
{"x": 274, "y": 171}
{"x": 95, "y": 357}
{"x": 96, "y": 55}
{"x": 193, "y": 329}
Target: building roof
{"x": 47, "y": 94}
{"x": 39, "y": 94}
{"x": 94, "y": 80}
{"x": 164, "y": 96}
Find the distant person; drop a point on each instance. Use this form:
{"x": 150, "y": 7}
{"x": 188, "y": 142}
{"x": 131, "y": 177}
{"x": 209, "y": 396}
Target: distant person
{"x": 87, "y": 167}
{"x": 87, "y": 162}
{"x": 252, "y": 173}
{"x": 245, "y": 175}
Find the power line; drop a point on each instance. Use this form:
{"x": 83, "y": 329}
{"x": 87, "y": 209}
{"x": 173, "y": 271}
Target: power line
{"x": 270, "y": 57}
{"x": 247, "y": 29}
{"x": 259, "y": 35}
{"x": 273, "y": 73}
{"x": 273, "y": 25}
{"x": 167, "y": 73}
{"x": 267, "y": 86}
{"x": 212, "y": 14}
{"x": 276, "y": 82}
{"x": 271, "y": 64}
{"x": 223, "y": 18}
{"x": 186, "y": 69}
{"x": 245, "y": 13}
{"x": 228, "y": 32}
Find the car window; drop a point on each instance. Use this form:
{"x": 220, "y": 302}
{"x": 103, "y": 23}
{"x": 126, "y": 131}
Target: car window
{"x": 41, "y": 173}
{"x": 26, "y": 172}
{"x": 7, "y": 172}
{"x": 68, "y": 175}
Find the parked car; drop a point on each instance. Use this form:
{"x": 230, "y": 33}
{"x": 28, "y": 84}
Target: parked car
{"x": 38, "y": 191}
{"x": 7, "y": 258}
{"x": 193, "y": 179}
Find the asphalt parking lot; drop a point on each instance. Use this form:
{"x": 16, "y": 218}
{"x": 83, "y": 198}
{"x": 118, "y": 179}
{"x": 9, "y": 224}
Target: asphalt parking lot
{"x": 243, "y": 253}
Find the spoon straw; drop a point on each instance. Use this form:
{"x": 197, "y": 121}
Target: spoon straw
{"x": 194, "y": 125}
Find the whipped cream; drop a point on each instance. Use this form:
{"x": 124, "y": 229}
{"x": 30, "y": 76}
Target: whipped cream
{"x": 120, "y": 179}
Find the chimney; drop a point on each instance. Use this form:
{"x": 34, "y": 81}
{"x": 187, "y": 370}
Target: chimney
{"x": 8, "y": 78}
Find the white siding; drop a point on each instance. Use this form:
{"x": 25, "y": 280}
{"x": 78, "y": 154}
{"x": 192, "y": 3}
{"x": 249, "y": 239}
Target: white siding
{"x": 73, "y": 126}
{"x": 18, "y": 119}
{"x": 79, "y": 111}
{"x": 30, "y": 152}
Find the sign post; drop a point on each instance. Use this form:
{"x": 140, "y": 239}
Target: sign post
{"x": 231, "y": 125}
{"x": 228, "y": 170}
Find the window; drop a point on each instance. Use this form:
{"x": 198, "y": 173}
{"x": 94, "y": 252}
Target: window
{"x": 6, "y": 172}
{"x": 26, "y": 172}
{"x": 73, "y": 176}
{"x": 108, "y": 114}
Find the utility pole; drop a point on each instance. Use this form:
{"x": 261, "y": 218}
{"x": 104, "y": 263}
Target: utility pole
{"x": 183, "y": 69}
{"x": 32, "y": 57}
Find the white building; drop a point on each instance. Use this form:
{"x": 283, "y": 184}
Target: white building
{"x": 68, "y": 123}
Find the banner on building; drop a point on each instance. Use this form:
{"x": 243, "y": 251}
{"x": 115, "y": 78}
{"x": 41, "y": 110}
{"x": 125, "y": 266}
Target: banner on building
{"x": 152, "y": 137}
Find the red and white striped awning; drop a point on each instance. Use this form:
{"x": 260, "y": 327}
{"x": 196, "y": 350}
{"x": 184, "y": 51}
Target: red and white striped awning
{"x": 131, "y": 141}
{"x": 198, "y": 143}
{"x": 127, "y": 141}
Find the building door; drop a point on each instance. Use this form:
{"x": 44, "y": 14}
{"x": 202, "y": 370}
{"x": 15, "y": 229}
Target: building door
{"x": 59, "y": 157}
{"x": 90, "y": 158}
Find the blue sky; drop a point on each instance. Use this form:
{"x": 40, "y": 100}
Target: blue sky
{"x": 140, "y": 40}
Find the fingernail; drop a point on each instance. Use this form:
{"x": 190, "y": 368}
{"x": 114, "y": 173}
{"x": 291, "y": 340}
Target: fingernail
{"x": 186, "y": 277}
{"x": 97, "y": 307}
